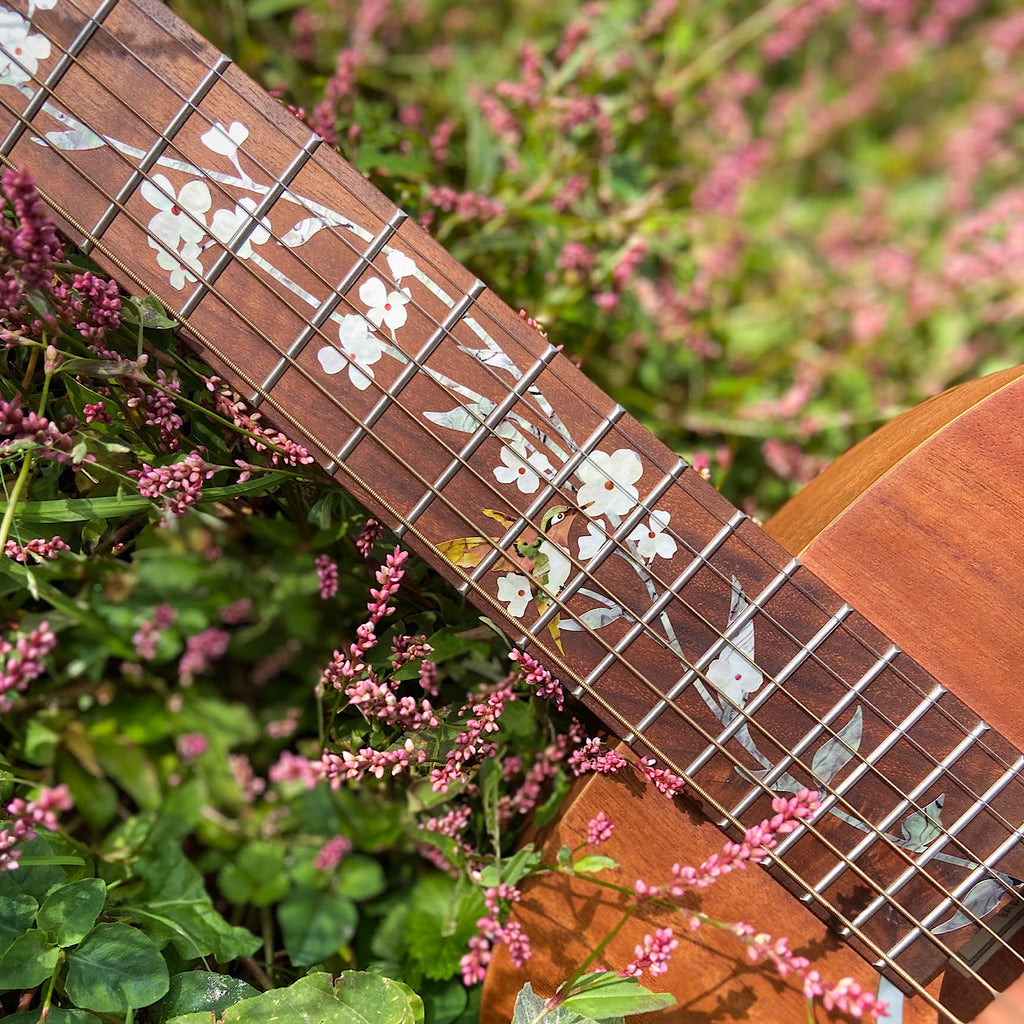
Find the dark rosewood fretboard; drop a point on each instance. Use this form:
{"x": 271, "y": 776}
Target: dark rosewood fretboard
{"x": 665, "y": 610}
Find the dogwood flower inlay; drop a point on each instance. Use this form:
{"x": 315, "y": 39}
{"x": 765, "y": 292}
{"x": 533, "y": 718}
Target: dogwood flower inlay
{"x": 608, "y": 482}
{"x": 360, "y": 349}
{"x": 225, "y": 141}
{"x": 182, "y": 215}
{"x": 387, "y": 308}
{"x": 20, "y": 49}
{"x": 514, "y": 590}
{"x": 184, "y": 265}
{"x": 522, "y": 470}
{"x": 225, "y": 224}
{"x": 651, "y": 538}
{"x": 591, "y": 543}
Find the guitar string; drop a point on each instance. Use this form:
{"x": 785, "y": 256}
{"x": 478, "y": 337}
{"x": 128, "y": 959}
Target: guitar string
{"x": 766, "y": 615}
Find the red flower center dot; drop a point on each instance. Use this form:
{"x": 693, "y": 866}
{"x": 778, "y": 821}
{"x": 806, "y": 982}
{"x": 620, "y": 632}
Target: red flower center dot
{"x": 521, "y": 470}
{"x": 522, "y": 593}
{"x": 175, "y": 209}
{"x": 387, "y": 305}
{"x": 738, "y": 676}
{"x": 609, "y": 486}
{"x": 651, "y": 535}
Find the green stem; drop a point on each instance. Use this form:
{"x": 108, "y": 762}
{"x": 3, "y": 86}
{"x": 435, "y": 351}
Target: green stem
{"x": 12, "y": 503}
{"x": 268, "y": 941}
{"x": 33, "y": 362}
{"x": 598, "y": 950}
{"x": 44, "y": 1010}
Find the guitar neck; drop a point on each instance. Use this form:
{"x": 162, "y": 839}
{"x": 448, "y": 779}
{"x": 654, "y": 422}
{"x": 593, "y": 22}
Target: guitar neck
{"x": 460, "y": 426}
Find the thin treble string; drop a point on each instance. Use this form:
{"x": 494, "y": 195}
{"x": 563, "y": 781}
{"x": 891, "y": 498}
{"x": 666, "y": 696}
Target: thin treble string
{"x": 592, "y": 634}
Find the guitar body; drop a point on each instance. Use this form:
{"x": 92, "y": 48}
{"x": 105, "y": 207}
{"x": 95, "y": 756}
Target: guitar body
{"x": 920, "y": 527}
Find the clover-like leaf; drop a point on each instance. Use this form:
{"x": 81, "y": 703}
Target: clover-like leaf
{"x": 115, "y": 969}
{"x": 29, "y": 961}
{"x": 69, "y": 912}
{"x": 315, "y": 924}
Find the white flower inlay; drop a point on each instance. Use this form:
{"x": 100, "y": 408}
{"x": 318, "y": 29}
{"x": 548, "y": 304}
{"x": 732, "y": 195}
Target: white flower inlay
{"x": 608, "y": 482}
{"x": 734, "y": 673}
{"x": 522, "y": 470}
{"x": 514, "y": 590}
{"x": 360, "y": 349}
{"x": 591, "y": 544}
{"x": 652, "y": 539}
{"x": 225, "y": 141}
{"x": 181, "y": 216}
{"x": 225, "y": 225}
{"x": 40, "y": 5}
{"x": 400, "y": 265}
{"x": 20, "y": 49}
{"x": 385, "y": 307}
{"x": 183, "y": 265}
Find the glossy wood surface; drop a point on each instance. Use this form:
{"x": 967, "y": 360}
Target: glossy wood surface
{"x": 933, "y": 502}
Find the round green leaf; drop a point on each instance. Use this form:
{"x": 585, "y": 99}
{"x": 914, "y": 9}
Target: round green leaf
{"x": 28, "y": 962}
{"x": 69, "y": 912}
{"x": 16, "y": 916}
{"x": 116, "y": 968}
{"x": 315, "y": 924}
{"x": 196, "y": 991}
{"x": 361, "y": 877}
{"x": 55, "y": 1016}
{"x": 257, "y": 876}
{"x": 612, "y": 996}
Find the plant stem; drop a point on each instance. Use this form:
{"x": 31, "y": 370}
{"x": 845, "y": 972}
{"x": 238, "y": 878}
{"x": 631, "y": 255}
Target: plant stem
{"x": 598, "y": 950}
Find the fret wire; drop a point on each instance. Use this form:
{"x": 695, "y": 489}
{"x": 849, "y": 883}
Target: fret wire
{"x": 859, "y": 639}
{"x": 900, "y": 809}
{"x": 241, "y": 235}
{"x": 64, "y": 63}
{"x": 163, "y": 140}
{"x": 458, "y": 311}
{"x": 483, "y": 432}
{"x": 547, "y": 493}
{"x": 987, "y": 866}
{"x": 853, "y": 693}
{"x": 771, "y": 687}
{"x": 769, "y": 617}
{"x": 69, "y": 218}
{"x": 485, "y": 597}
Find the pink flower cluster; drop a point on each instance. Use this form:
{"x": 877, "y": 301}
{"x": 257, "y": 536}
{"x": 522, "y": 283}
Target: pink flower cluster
{"x": 327, "y": 572}
{"x": 201, "y": 651}
{"x": 593, "y": 756}
{"x": 332, "y": 853}
{"x": 28, "y": 430}
{"x": 599, "y": 829}
{"x": 465, "y": 205}
{"x": 180, "y": 485}
{"x": 485, "y": 709}
{"x": 23, "y": 661}
{"x": 653, "y": 956}
{"x": 368, "y": 761}
{"x": 281, "y": 451}
{"x": 95, "y": 306}
{"x": 29, "y": 815}
{"x": 535, "y": 674}
{"x": 524, "y": 797}
{"x": 664, "y": 781}
{"x": 157, "y": 403}
{"x": 492, "y": 932}
{"x": 293, "y": 768}
{"x": 37, "y": 548}
{"x": 147, "y": 636}
{"x": 367, "y": 537}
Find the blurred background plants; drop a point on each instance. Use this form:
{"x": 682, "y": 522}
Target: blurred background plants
{"x": 765, "y": 228}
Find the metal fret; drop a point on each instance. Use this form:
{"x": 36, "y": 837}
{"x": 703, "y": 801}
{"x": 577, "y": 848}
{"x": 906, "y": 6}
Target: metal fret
{"x": 327, "y": 307}
{"x": 546, "y": 494}
{"x": 482, "y": 433}
{"x": 743, "y": 717}
{"x": 986, "y": 867}
{"x": 53, "y": 79}
{"x": 701, "y": 559}
{"x": 153, "y": 154}
{"x": 863, "y": 766}
{"x": 894, "y": 815}
{"x": 411, "y": 368}
{"x": 266, "y": 204}
{"x": 851, "y": 696}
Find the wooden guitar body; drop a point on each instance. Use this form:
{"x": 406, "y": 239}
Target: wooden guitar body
{"x": 922, "y": 528}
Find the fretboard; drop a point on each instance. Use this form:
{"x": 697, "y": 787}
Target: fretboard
{"x": 665, "y": 610}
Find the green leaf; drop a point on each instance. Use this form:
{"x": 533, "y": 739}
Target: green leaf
{"x": 358, "y": 999}
{"x": 315, "y": 924}
{"x": 69, "y": 912}
{"x": 201, "y": 991}
{"x": 594, "y": 863}
{"x": 530, "y": 1007}
{"x": 55, "y": 1016}
{"x": 441, "y": 921}
{"x": 256, "y": 876}
{"x": 174, "y": 905}
{"x": 28, "y": 962}
{"x": 616, "y": 997}
{"x": 116, "y": 968}
{"x": 34, "y": 879}
{"x": 360, "y": 877}
{"x": 16, "y": 916}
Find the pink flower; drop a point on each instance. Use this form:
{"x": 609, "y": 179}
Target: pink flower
{"x": 327, "y": 571}
{"x": 653, "y": 955}
{"x": 201, "y": 651}
{"x": 332, "y": 852}
{"x": 23, "y": 661}
{"x": 180, "y": 485}
{"x": 599, "y": 829}
{"x": 192, "y": 746}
